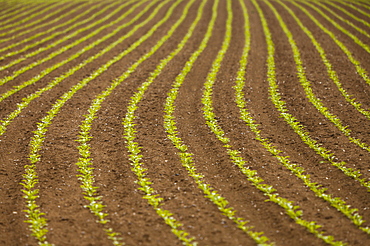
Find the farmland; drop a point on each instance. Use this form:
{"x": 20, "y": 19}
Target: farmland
{"x": 185, "y": 122}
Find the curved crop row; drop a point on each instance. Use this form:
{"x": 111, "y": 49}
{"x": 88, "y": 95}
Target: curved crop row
{"x": 299, "y": 171}
{"x": 26, "y": 101}
{"x": 208, "y": 112}
{"x": 359, "y": 3}
{"x": 185, "y": 156}
{"x": 331, "y": 72}
{"x": 360, "y": 70}
{"x": 49, "y": 30}
{"x": 60, "y": 51}
{"x": 54, "y": 15}
{"x": 36, "y": 219}
{"x": 296, "y": 125}
{"x": 339, "y": 27}
{"x": 65, "y": 48}
{"x": 308, "y": 90}
{"x": 12, "y": 11}
{"x": 49, "y": 37}
{"x": 70, "y": 54}
{"x": 14, "y": 29}
{"x": 85, "y": 162}
{"x": 16, "y": 14}
{"x": 348, "y": 13}
{"x": 360, "y": 30}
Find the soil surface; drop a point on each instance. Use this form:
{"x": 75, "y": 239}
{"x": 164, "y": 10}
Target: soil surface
{"x": 60, "y": 196}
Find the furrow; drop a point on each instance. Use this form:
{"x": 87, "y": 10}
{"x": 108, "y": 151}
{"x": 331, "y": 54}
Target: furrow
{"x": 87, "y": 176}
{"x": 49, "y": 37}
{"x": 186, "y": 156}
{"x": 291, "y": 210}
{"x": 348, "y": 13}
{"x": 336, "y": 25}
{"x": 360, "y": 70}
{"x": 309, "y": 92}
{"x": 27, "y": 100}
{"x": 14, "y": 29}
{"x": 337, "y": 202}
{"x": 27, "y": 10}
{"x": 55, "y": 15}
{"x": 331, "y": 72}
{"x": 12, "y": 11}
{"x": 360, "y": 30}
{"x": 359, "y": 3}
{"x": 38, "y": 223}
{"x": 49, "y": 30}
{"x": 67, "y": 47}
{"x": 297, "y": 126}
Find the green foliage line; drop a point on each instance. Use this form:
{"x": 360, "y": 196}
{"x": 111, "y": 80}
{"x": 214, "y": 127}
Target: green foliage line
{"x": 360, "y": 70}
{"x": 27, "y": 100}
{"x": 276, "y": 98}
{"x": 348, "y": 13}
{"x": 135, "y": 157}
{"x": 24, "y": 17}
{"x": 85, "y": 162}
{"x": 331, "y": 72}
{"x": 60, "y": 51}
{"x": 48, "y": 31}
{"x": 38, "y": 20}
{"x": 308, "y": 89}
{"x": 67, "y": 47}
{"x": 298, "y": 127}
{"x": 185, "y": 156}
{"x": 339, "y": 27}
{"x": 235, "y": 155}
{"x": 358, "y": 3}
{"x": 336, "y": 202}
{"x": 38, "y": 224}
{"x": 55, "y": 15}
{"x": 14, "y": 10}
{"x": 348, "y": 22}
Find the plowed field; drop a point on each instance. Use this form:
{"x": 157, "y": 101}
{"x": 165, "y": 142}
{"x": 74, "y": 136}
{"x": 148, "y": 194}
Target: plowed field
{"x": 195, "y": 122}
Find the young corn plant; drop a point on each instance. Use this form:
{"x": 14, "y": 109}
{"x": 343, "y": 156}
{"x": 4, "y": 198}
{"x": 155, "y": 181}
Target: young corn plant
{"x": 360, "y": 30}
{"x": 27, "y": 100}
{"x": 291, "y": 209}
{"x": 14, "y": 11}
{"x": 64, "y": 48}
{"x": 55, "y": 15}
{"x": 308, "y": 89}
{"x": 339, "y": 27}
{"x": 30, "y": 176}
{"x": 336, "y": 202}
{"x": 40, "y": 9}
{"x": 349, "y": 14}
{"x": 151, "y": 195}
{"x": 352, "y": 4}
{"x": 360, "y": 70}
{"x": 85, "y": 162}
{"x": 49, "y": 32}
{"x": 305, "y": 136}
{"x": 186, "y": 157}
{"x": 329, "y": 67}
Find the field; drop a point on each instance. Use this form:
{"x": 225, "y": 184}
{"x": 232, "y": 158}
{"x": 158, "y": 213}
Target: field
{"x": 185, "y": 122}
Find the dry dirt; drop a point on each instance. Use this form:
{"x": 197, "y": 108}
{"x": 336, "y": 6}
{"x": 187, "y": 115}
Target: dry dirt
{"x": 61, "y": 198}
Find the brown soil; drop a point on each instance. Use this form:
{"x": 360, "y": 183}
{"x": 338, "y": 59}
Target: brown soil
{"x": 61, "y": 198}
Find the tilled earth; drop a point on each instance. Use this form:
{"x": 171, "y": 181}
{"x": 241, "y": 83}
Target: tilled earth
{"x": 60, "y": 195}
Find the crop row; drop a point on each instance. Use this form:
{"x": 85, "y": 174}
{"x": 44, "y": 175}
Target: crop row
{"x": 67, "y": 47}
{"x": 48, "y": 31}
{"x": 39, "y": 10}
{"x": 7, "y": 120}
{"x": 37, "y": 219}
{"x": 87, "y": 179}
